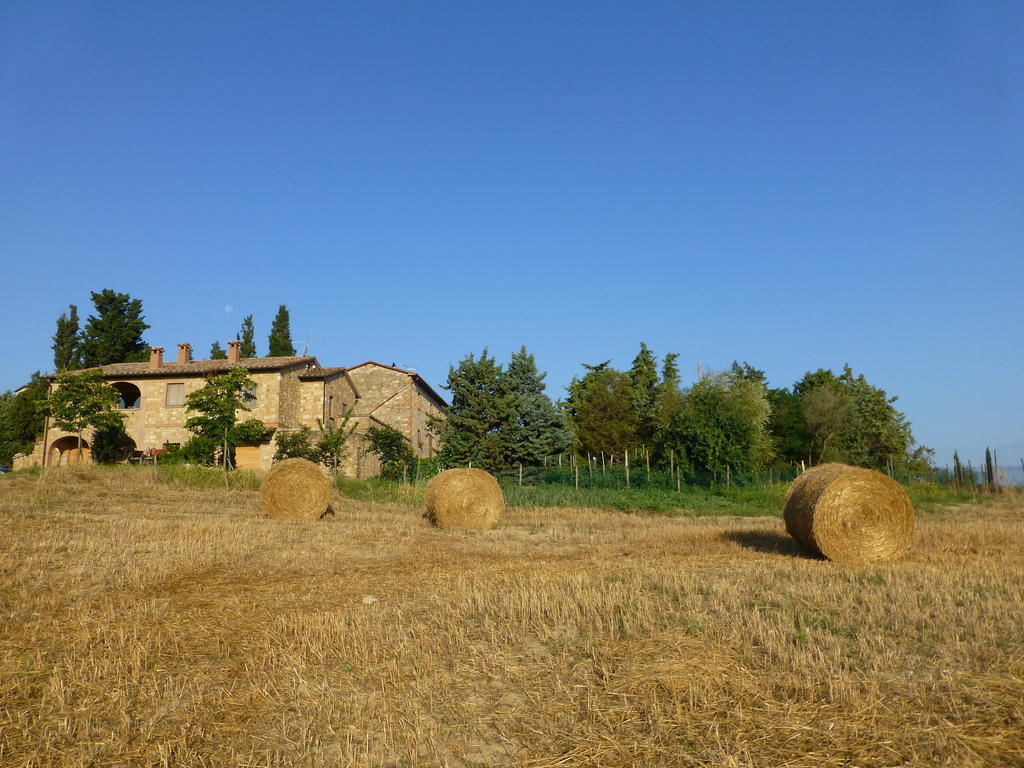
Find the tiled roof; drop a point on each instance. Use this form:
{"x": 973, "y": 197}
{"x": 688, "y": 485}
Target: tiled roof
{"x": 202, "y": 367}
{"x": 315, "y": 374}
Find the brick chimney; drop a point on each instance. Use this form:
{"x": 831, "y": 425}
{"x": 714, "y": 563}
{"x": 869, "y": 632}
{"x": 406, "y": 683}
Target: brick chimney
{"x": 184, "y": 353}
{"x": 156, "y": 357}
{"x": 234, "y": 351}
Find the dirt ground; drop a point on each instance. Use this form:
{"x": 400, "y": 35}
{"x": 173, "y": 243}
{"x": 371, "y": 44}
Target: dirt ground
{"x": 150, "y": 625}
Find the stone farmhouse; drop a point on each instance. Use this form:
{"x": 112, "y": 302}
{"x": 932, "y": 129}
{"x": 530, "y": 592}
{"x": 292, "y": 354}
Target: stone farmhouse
{"x": 291, "y": 392}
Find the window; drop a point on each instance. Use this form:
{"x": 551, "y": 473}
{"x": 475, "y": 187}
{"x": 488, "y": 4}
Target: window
{"x": 249, "y": 395}
{"x": 330, "y": 406}
{"x": 129, "y": 397}
{"x": 175, "y": 394}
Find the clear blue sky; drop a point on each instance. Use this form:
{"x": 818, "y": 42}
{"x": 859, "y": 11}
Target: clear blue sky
{"x": 797, "y": 185}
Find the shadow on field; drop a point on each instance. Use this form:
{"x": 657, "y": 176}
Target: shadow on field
{"x": 773, "y": 543}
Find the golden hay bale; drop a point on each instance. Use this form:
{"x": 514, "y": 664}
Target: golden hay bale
{"x": 295, "y": 489}
{"x": 848, "y": 514}
{"x": 463, "y": 498}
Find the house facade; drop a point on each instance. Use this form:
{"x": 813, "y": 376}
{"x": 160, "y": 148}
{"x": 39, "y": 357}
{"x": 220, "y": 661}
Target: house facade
{"x": 394, "y": 397}
{"x": 290, "y": 393}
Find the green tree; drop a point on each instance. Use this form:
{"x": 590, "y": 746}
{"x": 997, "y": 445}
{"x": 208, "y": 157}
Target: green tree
{"x": 66, "y": 352}
{"x": 82, "y": 400}
{"x": 114, "y": 333}
{"x": 22, "y": 418}
{"x": 217, "y": 404}
{"x": 394, "y": 451}
{"x": 643, "y": 377}
{"x": 852, "y": 421}
{"x": 535, "y": 427}
{"x": 333, "y": 442}
{"x": 247, "y": 336}
{"x": 787, "y": 426}
{"x": 281, "y": 335}
{"x": 826, "y": 411}
{"x": 722, "y": 423}
{"x": 477, "y": 416}
{"x": 604, "y": 419}
{"x": 668, "y": 395}
{"x": 577, "y": 389}
{"x": 111, "y": 444}
{"x": 217, "y": 352}
{"x": 296, "y": 444}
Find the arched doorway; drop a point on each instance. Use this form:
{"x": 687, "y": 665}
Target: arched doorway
{"x": 64, "y": 452}
{"x": 130, "y": 396}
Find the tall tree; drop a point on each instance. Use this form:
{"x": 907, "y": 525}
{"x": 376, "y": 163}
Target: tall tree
{"x": 852, "y": 421}
{"x": 22, "y": 418}
{"x": 114, "y": 333}
{"x": 723, "y": 423}
{"x": 643, "y": 377}
{"x": 535, "y": 428}
{"x": 787, "y": 426}
{"x": 217, "y": 352}
{"x": 472, "y": 430}
{"x": 216, "y": 406}
{"x": 990, "y": 471}
{"x": 247, "y": 335}
{"x": 281, "y": 335}
{"x": 670, "y": 370}
{"x": 83, "y": 400}
{"x": 66, "y": 353}
{"x": 603, "y": 417}
{"x": 826, "y": 412}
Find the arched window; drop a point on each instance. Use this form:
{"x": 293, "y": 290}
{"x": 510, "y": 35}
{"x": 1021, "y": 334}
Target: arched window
{"x": 131, "y": 398}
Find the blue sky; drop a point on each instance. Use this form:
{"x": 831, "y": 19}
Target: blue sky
{"x": 797, "y": 185}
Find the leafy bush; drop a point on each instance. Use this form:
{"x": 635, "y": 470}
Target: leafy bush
{"x": 296, "y": 445}
{"x": 111, "y": 444}
{"x": 199, "y": 449}
{"x": 394, "y": 451}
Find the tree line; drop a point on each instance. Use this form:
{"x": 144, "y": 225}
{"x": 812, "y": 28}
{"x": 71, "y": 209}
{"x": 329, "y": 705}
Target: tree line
{"x": 724, "y": 421}
{"x": 114, "y": 334}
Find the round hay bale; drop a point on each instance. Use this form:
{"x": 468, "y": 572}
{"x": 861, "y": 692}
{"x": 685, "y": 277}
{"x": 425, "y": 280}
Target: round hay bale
{"x": 464, "y": 498}
{"x": 295, "y": 489}
{"x": 849, "y": 514}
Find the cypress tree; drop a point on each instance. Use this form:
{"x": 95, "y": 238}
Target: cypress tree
{"x": 280, "y": 340}
{"x": 990, "y": 470}
{"x": 114, "y": 333}
{"x": 247, "y": 336}
{"x": 217, "y": 352}
{"x": 66, "y": 352}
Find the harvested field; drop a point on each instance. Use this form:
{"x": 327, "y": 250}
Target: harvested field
{"x": 149, "y": 624}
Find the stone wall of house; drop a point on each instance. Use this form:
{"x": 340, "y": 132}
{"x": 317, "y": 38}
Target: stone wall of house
{"x": 154, "y": 423}
{"x": 396, "y": 399}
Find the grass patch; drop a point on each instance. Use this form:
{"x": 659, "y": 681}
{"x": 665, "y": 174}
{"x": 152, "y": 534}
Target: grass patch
{"x": 696, "y": 501}
{"x": 718, "y": 500}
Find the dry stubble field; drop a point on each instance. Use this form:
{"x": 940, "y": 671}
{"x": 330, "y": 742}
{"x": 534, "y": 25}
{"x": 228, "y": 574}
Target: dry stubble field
{"x": 146, "y": 624}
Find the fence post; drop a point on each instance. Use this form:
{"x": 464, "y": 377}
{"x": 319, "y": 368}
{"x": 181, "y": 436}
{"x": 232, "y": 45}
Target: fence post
{"x": 577, "y": 477}
{"x": 678, "y": 480}
{"x": 627, "y": 468}
{"x": 647, "y": 455}
{"x": 602, "y": 463}
{"x": 520, "y": 474}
